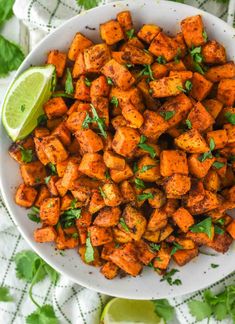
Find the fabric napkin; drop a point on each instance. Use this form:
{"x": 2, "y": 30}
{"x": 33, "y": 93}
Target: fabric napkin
{"x": 73, "y": 303}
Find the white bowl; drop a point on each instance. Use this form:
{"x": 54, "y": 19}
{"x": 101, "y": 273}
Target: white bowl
{"x": 195, "y": 275}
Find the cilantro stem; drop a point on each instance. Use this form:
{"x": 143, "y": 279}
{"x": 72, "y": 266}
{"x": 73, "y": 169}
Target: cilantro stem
{"x": 34, "y": 281}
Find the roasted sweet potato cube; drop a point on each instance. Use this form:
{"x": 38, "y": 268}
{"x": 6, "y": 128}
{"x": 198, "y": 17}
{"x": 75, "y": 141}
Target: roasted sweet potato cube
{"x": 79, "y": 43}
{"x": 159, "y": 70}
{"x": 45, "y": 234}
{"x": 212, "y": 181}
{"x": 213, "y": 106}
{"x": 82, "y": 91}
{"x": 109, "y": 270}
{"x": 53, "y": 123}
{"x": 40, "y": 152}
{"x": 217, "y": 73}
{"x": 101, "y": 105}
{"x": 108, "y": 217}
{"x": 43, "y": 193}
{"x": 231, "y": 229}
{"x": 197, "y": 168}
{"x": 79, "y": 67}
{"x": 221, "y": 242}
{"x": 154, "y": 125}
{"x": 183, "y": 219}
{"x": 159, "y": 198}
{"x": 135, "y": 41}
{"x": 173, "y": 161}
{"x": 183, "y": 75}
{"x": 196, "y": 193}
{"x": 226, "y": 92}
{"x": 99, "y": 87}
{"x": 200, "y": 118}
{"x": 84, "y": 220}
{"x": 192, "y": 142}
{"x": 201, "y": 238}
{"x": 135, "y": 221}
{"x": 51, "y": 184}
{"x": 54, "y": 149}
{"x": 125, "y": 20}
{"x": 126, "y": 258}
{"x": 33, "y": 173}
{"x": 15, "y": 150}
{"x": 121, "y": 175}
{"x": 132, "y": 115}
{"x": 61, "y": 190}
{"x": 166, "y": 87}
{"x": 50, "y": 211}
{"x": 55, "y": 107}
{"x": 230, "y": 130}
{"x": 89, "y": 141}
{"x": 75, "y": 121}
{"x": 93, "y": 166}
{"x": 111, "y": 32}
{"x": 219, "y": 136}
{"x": 135, "y": 55}
{"x": 100, "y": 235}
{"x": 25, "y": 196}
{"x": 125, "y": 141}
{"x": 163, "y": 258}
{"x": 157, "y": 220}
{"x": 213, "y": 53}
{"x": 114, "y": 161}
{"x": 119, "y": 74}
{"x": 152, "y": 236}
{"x": 144, "y": 252}
{"x": 177, "y": 184}
{"x": 132, "y": 96}
{"x": 95, "y": 57}
{"x": 177, "y": 65}
{"x": 111, "y": 194}
{"x": 148, "y": 32}
{"x": 63, "y": 242}
{"x": 127, "y": 192}
{"x": 63, "y": 133}
{"x": 192, "y": 29}
{"x": 180, "y": 105}
{"x": 71, "y": 173}
{"x": 120, "y": 236}
{"x": 107, "y": 250}
{"x": 201, "y": 87}
{"x": 58, "y": 59}
{"x": 148, "y": 169}
{"x": 165, "y": 46}
{"x": 181, "y": 257}
{"x": 96, "y": 202}
{"x": 209, "y": 202}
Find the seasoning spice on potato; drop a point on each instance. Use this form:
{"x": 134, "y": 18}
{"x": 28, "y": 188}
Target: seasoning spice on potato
{"x": 134, "y": 163}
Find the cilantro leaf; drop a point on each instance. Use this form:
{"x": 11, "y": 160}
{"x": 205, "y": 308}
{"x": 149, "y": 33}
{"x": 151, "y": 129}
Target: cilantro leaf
{"x": 167, "y": 114}
{"x": 204, "y": 156}
{"x": 43, "y": 315}
{"x": 213, "y": 265}
{"x": 139, "y": 183}
{"x": 69, "y": 217}
{"x": 5, "y": 295}
{"x": 102, "y": 192}
{"x": 155, "y": 247}
{"x": 100, "y": 121}
{"x": 87, "y": 121}
{"x": 89, "y": 253}
{"x": 146, "y": 168}
{"x": 176, "y": 247}
{"x": 124, "y": 225}
{"x": 161, "y": 60}
{"x": 188, "y": 85}
{"x": 218, "y": 230}
{"x": 181, "y": 89}
{"x": 212, "y": 144}
{"x": 6, "y": 10}
{"x": 52, "y": 273}
{"x": 146, "y": 147}
{"x": 144, "y": 196}
{"x": 199, "y": 309}
{"x": 41, "y": 120}
{"x": 114, "y": 101}
{"x": 47, "y": 179}
{"x": 61, "y": 94}
{"x": 204, "y": 226}
{"x": 163, "y": 309}
{"x": 34, "y": 215}
{"x": 109, "y": 81}
{"x": 168, "y": 277}
{"x": 69, "y": 89}
{"x": 88, "y": 4}
{"x": 147, "y": 70}
{"x": 204, "y": 35}
{"x": 26, "y": 154}
{"x": 230, "y": 117}
{"x": 87, "y": 82}
{"x": 130, "y": 33}
{"x": 218, "y": 165}
{"x": 11, "y": 56}
{"x": 188, "y": 123}
{"x": 52, "y": 168}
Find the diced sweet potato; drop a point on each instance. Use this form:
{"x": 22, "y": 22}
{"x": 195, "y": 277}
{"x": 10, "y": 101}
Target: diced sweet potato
{"x": 54, "y": 149}
{"x": 125, "y": 20}
{"x": 144, "y": 252}
{"x": 25, "y": 196}
{"x": 108, "y": 217}
{"x": 132, "y": 96}
{"x": 197, "y": 168}
{"x": 125, "y": 258}
{"x": 152, "y": 236}
{"x": 53, "y": 123}
{"x": 133, "y": 116}
{"x": 82, "y": 91}
{"x": 181, "y": 257}
{"x": 109, "y": 270}
{"x": 217, "y": 73}
{"x": 55, "y": 107}
{"x": 154, "y": 125}
{"x": 183, "y": 219}
{"x": 212, "y": 181}
{"x": 148, "y": 32}
{"x": 135, "y": 55}
{"x": 95, "y": 57}
{"x": 219, "y": 136}
{"x": 79, "y": 43}
{"x": 62, "y": 132}
{"x": 75, "y": 121}
{"x": 45, "y": 234}
{"x": 119, "y": 74}
{"x": 159, "y": 70}
{"x": 177, "y": 65}
{"x": 99, "y": 87}
{"x": 101, "y": 105}
{"x": 221, "y": 242}
{"x": 100, "y": 235}
{"x": 226, "y": 92}
{"x": 177, "y": 184}
{"x": 192, "y": 29}
{"x": 125, "y": 141}
{"x": 127, "y": 191}
{"x": 213, "y": 106}
{"x": 213, "y": 53}
{"x": 201, "y": 87}
{"x": 134, "y": 41}
{"x": 183, "y": 75}
{"x": 159, "y": 198}
{"x": 93, "y": 166}
{"x": 173, "y": 161}
{"x": 50, "y": 211}
{"x": 58, "y": 59}
{"x": 84, "y": 220}
{"x": 151, "y": 173}
{"x": 192, "y": 142}
{"x": 111, "y": 194}
{"x": 209, "y": 202}
{"x": 33, "y": 173}
{"x": 40, "y": 152}
{"x": 114, "y": 161}
{"x": 230, "y": 130}
{"x": 135, "y": 221}
{"x": 200, "y": 118}
{"x": 42, "y": 194}
{"x": 166, "y": 87}
{"x": 111, "y": 32}
{"x": 121, "y": 175}
{"x": 89, "y": 141}
{"x": 96, "y": 202}
{"x": 201, "y": 238}
{"x": 51, "y": 184}
{"x": 120, "y": 236}
{"x": 71, "y": 173}
{"x": 107, "y": 250}
{"x": 157, "y": 220}
{"x": 79, "y": 67}
{"x": 231, "y": 229}
{"x": 63, "y": 242}
{"x": 163, "y": 258}
{"x": 165, "y": 46}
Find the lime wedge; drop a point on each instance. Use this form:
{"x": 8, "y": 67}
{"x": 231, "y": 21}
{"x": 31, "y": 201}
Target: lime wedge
{"x": 127, "y": 311}
{"x": 24, "y": 100}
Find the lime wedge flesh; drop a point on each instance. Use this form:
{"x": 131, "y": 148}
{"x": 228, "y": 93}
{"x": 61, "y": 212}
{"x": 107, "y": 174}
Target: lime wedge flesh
{"x": 126, "y": 311}
{"x": 24, "y": 101}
